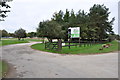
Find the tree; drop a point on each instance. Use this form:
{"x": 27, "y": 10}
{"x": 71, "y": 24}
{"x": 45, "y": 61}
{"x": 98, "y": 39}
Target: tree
{"x": 41, "y": 30}
{"x": 3, "y": 3}
{"x": 93, "y": 25}
{"x": 11, "y": 35}
{"x": 82, "y": 20}
{"x": 72, "y": 19}
{"x": 5, "y": 33}
{"x": 58, "y": 17}
{"x": 66, "y": 16}
{"x": 20, "y": 33}
{"x": 99, "y": 21}
{"x": 51, "y": 30}
{"x": 118, "y": 37}
{"x": 31, "y": 34}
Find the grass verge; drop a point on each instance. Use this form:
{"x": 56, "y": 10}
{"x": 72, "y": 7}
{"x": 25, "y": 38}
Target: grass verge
{"x": 3, "y": 68}
{"x": 80, "y": 50}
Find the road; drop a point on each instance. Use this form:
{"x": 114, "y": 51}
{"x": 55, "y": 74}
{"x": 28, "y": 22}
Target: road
{"x": 30, "y": 63}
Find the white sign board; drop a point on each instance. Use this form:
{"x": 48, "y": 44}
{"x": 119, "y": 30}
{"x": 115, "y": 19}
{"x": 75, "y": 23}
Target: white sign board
{"x": 75, "y": 32}
{"x": 63, "y": 44}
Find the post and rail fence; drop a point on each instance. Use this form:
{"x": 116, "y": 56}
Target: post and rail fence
{"x": 54, "y": 45}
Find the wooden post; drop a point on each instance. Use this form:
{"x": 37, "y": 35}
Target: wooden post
{"x": 69, "y": 43}
{"x": 79, "y": 42}
{"x": 43, "y": 40}
{"x": 59, "y": 44}
{"x": 45, "y": 45}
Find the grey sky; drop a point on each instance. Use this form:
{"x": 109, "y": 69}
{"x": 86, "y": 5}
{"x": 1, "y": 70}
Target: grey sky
{"x": 27, "y": 14}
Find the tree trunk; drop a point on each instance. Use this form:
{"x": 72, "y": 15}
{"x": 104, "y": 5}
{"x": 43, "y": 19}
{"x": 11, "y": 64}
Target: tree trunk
{"x": 50, "y": 40}
{"x": 19, "y": 38}
{"x": 59, "y": 44}
{"x": 43, "y": 40}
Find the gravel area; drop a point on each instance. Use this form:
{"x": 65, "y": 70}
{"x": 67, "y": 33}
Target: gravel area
{"x": 30, "y": 63}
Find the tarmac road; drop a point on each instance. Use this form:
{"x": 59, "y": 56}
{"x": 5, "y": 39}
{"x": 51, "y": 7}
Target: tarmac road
{"x": 30, "y": 63}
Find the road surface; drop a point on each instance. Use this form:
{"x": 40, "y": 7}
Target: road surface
{"x": 30, "y": 63}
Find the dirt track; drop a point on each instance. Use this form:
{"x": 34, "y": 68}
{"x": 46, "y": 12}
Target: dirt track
{"x": 31, "y": 63}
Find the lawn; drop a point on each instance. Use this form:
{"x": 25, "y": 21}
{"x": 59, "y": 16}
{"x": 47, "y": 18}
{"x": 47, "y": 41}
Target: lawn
{"x": 26, "y": 39}
{"x": 80, "y": 50}
{"x": 3, "y": 68}
{"x": 8, "y": 42}
{"x": 30, "y": 39}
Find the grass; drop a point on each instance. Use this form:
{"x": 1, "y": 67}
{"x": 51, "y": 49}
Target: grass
{"x": 30, "y": 39}
{"x": 26, "y": 39}
{"x": 3, "y": 68}
{"x": 8, "y": 42}
{"x": 80, "y": 50}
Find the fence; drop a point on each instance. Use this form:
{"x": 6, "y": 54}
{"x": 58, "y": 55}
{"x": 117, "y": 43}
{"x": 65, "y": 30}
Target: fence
{"x": 51, "y": 45}
{"x": 54, "y": 45}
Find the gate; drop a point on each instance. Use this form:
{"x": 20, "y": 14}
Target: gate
{"x": 51, "y": 45}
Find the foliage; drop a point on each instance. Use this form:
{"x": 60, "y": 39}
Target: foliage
{"x": 50, "y": 29}
{"x": 117, "y": 37}
{"x": 3, "y": 3}
{"x": 58, "y": 17}
{"x": 11, "y": 35}
{"x": 93, "y": 25}
{"x": 5, "y": 33}
{"x": 31, "y": 34}
{"x": 66, "y": 16}
{"x": 112, "y": 37}
{"x": 99, "y": 21}
{"x": 20, "y": 33}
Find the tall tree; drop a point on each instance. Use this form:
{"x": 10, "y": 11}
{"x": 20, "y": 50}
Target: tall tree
{"x": 83, "y": 21}
{"x": 99, "y": 21}
{"x": 58, "y": 17}
{"x": 66, "y": 16}
{"x": 93, "y": 25}
{"x": 72, "y": 19}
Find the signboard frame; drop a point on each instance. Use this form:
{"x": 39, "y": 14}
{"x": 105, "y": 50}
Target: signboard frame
{"x": 74, "y": 32}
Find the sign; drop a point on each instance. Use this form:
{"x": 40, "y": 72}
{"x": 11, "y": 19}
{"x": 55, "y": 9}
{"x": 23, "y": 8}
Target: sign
{"x": 74, "y": 32}
{"x": 63, "y": 44}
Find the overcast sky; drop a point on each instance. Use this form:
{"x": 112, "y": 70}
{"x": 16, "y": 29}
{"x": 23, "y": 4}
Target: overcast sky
{"x": 27, "y": 14}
